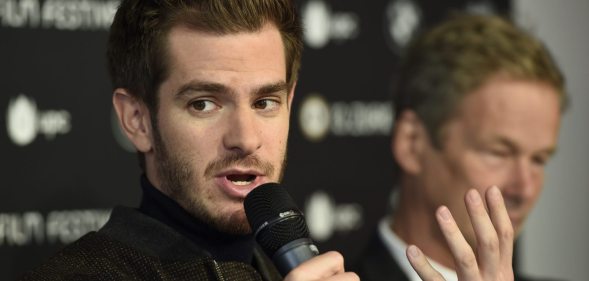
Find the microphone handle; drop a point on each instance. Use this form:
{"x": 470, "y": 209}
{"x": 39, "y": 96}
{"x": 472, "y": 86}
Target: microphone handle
{"x": 293, "y": 254}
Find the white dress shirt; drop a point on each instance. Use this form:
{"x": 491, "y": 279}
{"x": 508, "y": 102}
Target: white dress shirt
{"x": 397, "y": 247}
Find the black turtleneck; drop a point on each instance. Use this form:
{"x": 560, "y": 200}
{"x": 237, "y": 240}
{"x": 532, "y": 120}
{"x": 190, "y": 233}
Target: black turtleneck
{"x": 221, "y": 246}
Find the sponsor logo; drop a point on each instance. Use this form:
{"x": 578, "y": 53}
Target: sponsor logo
{"x": 361, "y": 118}
{"x": 24, "y": 121}
{"x": 318, "y": 118}
{"x": 325, "y": 217}
{"x": 402, "y": 19}
{"x": 314, "y": 117}
{"x": 58, "y": 14}
{"x": 22, "y": 229}
{"x": 322, "y": 24}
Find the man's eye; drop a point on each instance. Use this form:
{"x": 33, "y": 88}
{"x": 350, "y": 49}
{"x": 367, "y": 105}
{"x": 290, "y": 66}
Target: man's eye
{"x": 540, "y": 160}
{"x": 499, "y": 153}
{"x": 496, "y": 156}
{"x": 203, "y": 105}
{"x": 266, "y": 104}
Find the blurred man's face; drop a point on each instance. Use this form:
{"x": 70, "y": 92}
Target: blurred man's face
{"x": 222, "y": 122}
{"x": 503, "y": 134}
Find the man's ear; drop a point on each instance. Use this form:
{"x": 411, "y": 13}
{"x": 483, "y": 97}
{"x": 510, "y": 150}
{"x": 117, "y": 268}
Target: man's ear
{"x": 134, "y": 119}
{"x": 408, "y": 142}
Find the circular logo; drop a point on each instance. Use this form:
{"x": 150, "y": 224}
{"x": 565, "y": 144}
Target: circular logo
{"x": 316, "y": 21}
{"x": 320, "y": 216}
{"x": 403, "y": 17}
{"x": 314, "y": 117}
{"x": 21, "y": 120}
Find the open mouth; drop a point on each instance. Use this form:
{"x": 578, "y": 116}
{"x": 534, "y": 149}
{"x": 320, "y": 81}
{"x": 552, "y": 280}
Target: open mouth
{"x": 241, "y": 180}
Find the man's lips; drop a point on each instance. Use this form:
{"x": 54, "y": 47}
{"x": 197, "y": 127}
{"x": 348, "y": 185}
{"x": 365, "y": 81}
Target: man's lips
{"x": 239, "y": 173}
{"x": 238, "y": 183}
{"x": 515, "y": 217}
{"x": 515, "y": 211}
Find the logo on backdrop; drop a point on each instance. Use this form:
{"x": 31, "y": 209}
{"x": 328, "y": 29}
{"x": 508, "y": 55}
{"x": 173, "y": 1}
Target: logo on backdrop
{"x": 314, "y": 117}
{"x": 319, "y": 118}
{"x": 322, "y": 24}
{"x": 24, "y": 121}
{"x": 58, "y": 14}
{"x": 325, "y": 217}
{"x": 34, "y": 227}
{"x": 402, "y": 20}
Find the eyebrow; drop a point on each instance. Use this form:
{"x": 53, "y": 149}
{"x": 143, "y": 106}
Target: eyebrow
{"x": 272, "y": 88}
{"x": 218, "y": 88}
{"x": 550, "y": 151}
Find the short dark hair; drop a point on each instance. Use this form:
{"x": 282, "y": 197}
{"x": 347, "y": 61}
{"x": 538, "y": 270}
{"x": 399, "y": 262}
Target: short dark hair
{"x": 137, "y": 45}
{"x": 453, "y": 59}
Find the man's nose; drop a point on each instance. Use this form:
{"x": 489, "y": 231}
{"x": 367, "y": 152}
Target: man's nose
{"x": 524, "y": 180}
{"x": 242, "y": 135}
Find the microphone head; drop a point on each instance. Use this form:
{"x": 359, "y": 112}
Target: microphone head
{"x": 274, "y": 217}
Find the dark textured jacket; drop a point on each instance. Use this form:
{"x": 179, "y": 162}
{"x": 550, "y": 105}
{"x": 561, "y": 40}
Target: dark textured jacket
{"x": 133, "y": 246}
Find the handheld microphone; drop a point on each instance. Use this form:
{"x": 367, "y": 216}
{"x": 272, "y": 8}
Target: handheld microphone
{"x": 279, "y": 227}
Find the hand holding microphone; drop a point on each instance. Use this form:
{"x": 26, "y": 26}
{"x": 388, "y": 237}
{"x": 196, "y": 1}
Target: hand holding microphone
{"x": 280, "y": 229}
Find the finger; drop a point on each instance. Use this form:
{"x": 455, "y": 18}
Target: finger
{"x": 346, "y": 276}
{"x": 466, "y": 263}
{"x": 502, "y": 224}
{"x": 486, "y": 235}
{"x": 421, "y": 265}
{"x": 319, "y": 267}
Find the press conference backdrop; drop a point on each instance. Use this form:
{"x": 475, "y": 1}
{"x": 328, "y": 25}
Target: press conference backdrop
{"x": 65, "y": 164}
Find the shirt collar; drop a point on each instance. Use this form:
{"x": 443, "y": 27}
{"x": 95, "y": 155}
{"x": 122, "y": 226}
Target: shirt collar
{"x": 397, "y": 247}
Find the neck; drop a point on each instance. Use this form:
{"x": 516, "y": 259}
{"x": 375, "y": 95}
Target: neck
{"x": 221, "y": 246}
{"x": 414, "y": 222}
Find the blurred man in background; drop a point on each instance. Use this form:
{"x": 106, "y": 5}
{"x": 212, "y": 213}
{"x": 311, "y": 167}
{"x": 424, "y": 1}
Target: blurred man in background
{"x": 478, "y": 105}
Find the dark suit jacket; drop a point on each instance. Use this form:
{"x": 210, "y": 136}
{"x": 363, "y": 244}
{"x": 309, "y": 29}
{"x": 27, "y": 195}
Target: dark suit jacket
{"x": 133, "y": 246}
{"x": 377, "y": 264}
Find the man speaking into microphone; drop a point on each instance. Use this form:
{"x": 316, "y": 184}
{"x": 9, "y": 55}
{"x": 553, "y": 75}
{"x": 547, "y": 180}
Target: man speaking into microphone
{"x": 203, "y": 89}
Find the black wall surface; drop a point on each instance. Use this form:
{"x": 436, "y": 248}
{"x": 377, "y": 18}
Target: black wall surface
{"x": 64, "y": 164}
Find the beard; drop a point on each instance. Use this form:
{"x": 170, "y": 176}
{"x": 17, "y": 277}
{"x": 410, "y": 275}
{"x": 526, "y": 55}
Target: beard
{"x": 179, "y": 182}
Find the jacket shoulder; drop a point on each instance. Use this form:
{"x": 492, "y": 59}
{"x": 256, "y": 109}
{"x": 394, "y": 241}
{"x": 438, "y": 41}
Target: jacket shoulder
{"x": 98, "y": 257}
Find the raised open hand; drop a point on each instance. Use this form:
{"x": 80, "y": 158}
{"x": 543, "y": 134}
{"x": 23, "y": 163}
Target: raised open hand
{"x": 492, "y": 258}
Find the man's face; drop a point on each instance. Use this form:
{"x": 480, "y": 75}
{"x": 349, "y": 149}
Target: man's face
{"x": 222, "y": 122}
{"x": 503, "y": 134}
